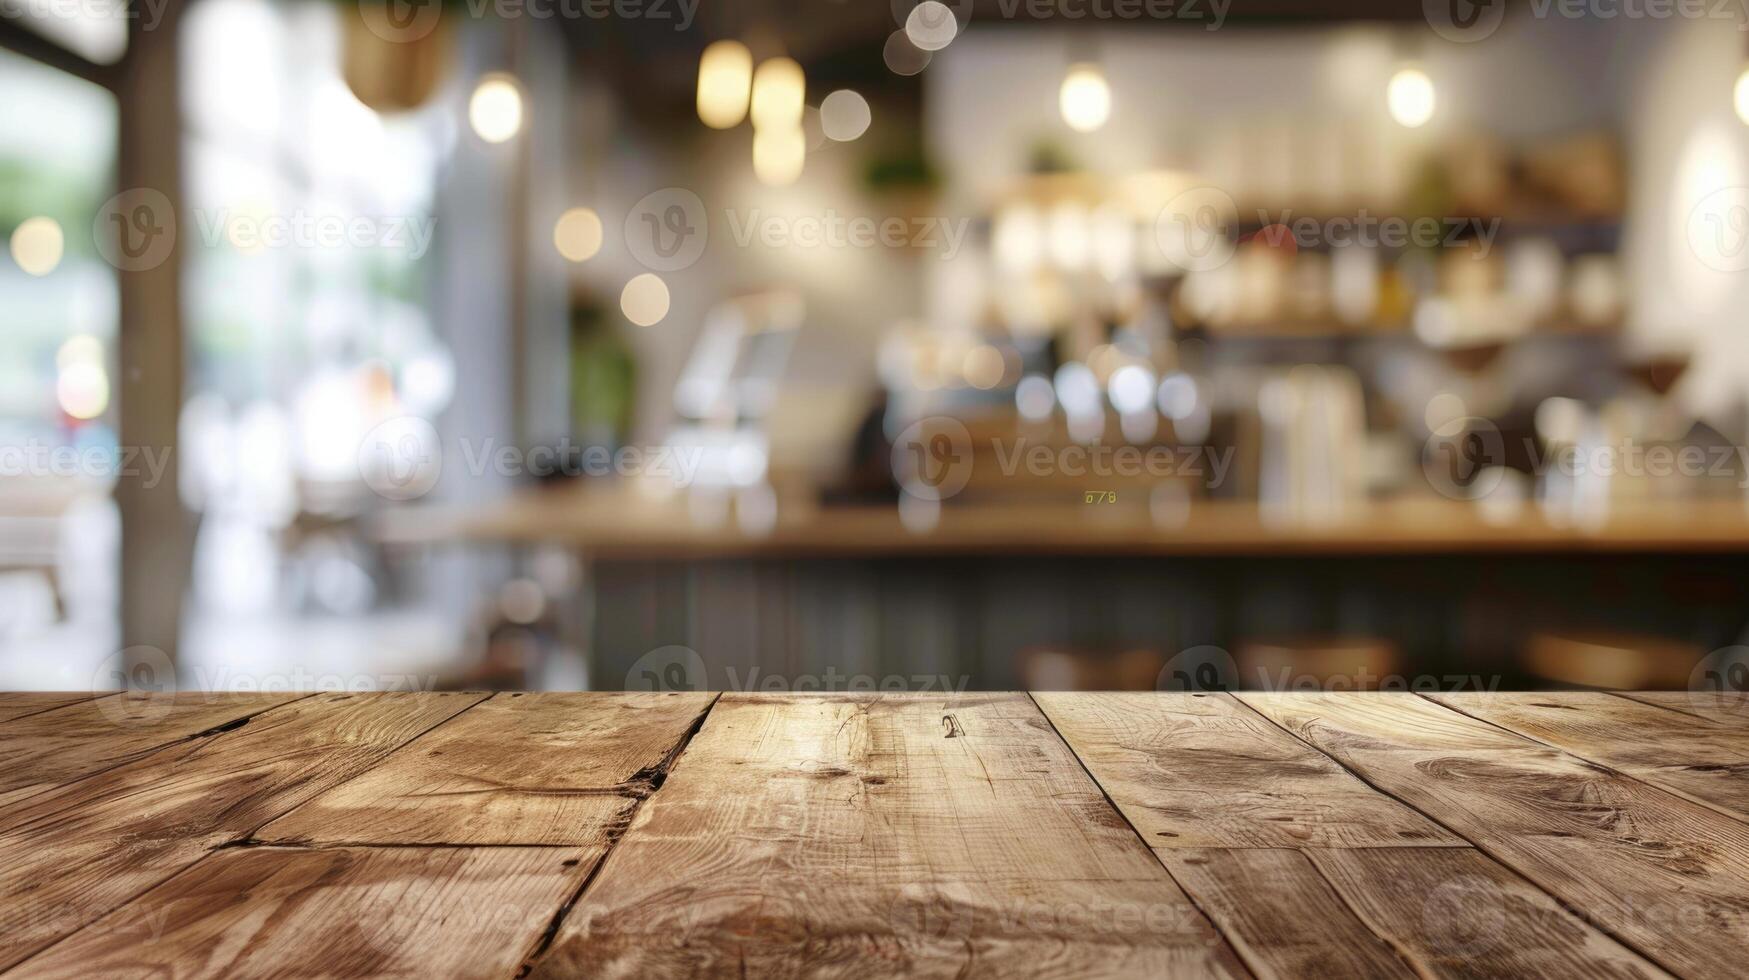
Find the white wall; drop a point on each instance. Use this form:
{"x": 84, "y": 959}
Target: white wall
{"x": 1689, "y": 144}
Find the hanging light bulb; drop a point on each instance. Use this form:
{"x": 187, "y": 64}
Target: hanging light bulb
{"x": 778, "y": 155}
{"x": 725, "y": 78}
{"x": 1409, "y": 95}
{"x": 1085, "y": 99}
{"x": 1740, "y": 96}
{"x": 495, "y": 109}
{"x": 778, "y": 90}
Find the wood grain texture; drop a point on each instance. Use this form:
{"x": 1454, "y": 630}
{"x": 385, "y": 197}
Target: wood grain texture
{"x": 70, "y": 855}
{"x": 1203, "y": 770}
{"x": 553, "y": 769}
{"x": 41, "y": 751}
{"x": 1280, "y": 914}
{"x": 20, "y": 704}
{"x": 339, "y": 912}
{"x": 876, "y": 835}
{"x": 1454, "y": 912}
{"x": 1706, "y": 761}
{"x": 914, "y": 835}
{"x": 1667, "y": 876}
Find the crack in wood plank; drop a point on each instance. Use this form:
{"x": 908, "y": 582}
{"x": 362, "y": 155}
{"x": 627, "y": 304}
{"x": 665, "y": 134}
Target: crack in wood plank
{"x": 652, "y": 776}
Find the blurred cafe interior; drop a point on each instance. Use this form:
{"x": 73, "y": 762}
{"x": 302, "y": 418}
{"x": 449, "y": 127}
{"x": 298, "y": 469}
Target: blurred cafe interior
{"x": 816, "y": 344}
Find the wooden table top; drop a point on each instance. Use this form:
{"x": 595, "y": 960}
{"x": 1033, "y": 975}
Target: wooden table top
{"x": 614, "y": 524}
{"x": 979, "y": 834}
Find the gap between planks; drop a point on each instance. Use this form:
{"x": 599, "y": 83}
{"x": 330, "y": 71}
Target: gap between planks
{"x": 1189, "y": 894}
{"x": 1613, "y": 770}
{"x": 120, "y": 761}
{"x": 638, "y": 788}
{"x": 657, "y": 775}
{"x": 1240, "y": 948}
{"x": 233, "y": 725}
{"x": 1627, "y": 696}
{"x": 1582, "y": 914}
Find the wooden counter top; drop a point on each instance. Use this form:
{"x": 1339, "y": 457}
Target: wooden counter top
{"x": 622, "y": 525}
{"x": 978, "y": 834}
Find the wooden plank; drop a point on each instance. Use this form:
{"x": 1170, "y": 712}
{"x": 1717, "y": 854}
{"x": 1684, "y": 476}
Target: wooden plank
{"x": 43, "y": 751}
{"x": 266, "y": 911}
{"x": 1667, "y": 876}
{"x": 1235, "y": 789}
{"x": 1455, "y": 912}
{"x": 899, "y": 835}
{"x": 1280, "y": 914}
{"x": 1196, "y": 770}
{"x": 20, "y": 704}
{"x": 1706, "y": 761}
{"x": 70, "y": 855}
{"x": 1726, "y": 707}
{"x": 541, "y": 769}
